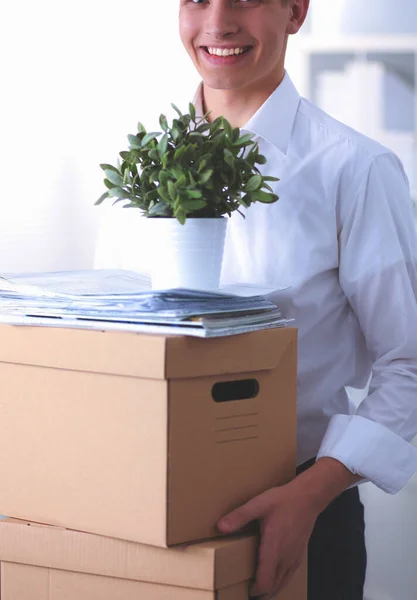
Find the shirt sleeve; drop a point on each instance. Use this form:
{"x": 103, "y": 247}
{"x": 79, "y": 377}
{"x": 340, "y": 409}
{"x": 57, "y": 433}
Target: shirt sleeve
{"x": 378, "y": 274}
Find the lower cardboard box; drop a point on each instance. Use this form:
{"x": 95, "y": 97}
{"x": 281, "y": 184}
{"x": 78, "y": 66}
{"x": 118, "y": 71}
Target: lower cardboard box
{"x": 40, "y": 562}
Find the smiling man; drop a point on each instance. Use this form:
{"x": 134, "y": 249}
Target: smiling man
{"x": 342, "y": 241}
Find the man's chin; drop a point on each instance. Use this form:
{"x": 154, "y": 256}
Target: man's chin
{"x": 222, "y": 83}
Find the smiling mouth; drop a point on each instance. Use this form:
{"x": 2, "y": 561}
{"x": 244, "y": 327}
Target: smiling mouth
{"x": 226, "y": 52}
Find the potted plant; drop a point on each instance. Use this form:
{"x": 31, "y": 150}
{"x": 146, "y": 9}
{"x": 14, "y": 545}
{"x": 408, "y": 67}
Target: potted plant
{"x": 186, "y": 179}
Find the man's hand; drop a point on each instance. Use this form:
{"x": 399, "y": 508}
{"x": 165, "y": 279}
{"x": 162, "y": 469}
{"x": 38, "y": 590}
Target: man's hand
{"x": 286, "y": 522}
{"x": 287, "y": 516}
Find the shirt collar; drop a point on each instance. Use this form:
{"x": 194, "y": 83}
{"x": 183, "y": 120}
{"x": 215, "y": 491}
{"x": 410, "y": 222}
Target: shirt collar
{"x": 274, "y": 120}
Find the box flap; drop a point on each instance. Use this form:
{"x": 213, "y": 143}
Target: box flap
{"x": 116, "y": 352}
{"x": 249, "y": 352}
{"x": 140, "y": 355}
{"x": 209, "y": 565}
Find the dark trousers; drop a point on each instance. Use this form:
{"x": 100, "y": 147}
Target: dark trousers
{"x": 337, "y": 552}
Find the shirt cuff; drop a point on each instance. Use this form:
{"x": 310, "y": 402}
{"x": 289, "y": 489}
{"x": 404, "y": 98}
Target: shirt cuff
{"x": 370, "y": 450}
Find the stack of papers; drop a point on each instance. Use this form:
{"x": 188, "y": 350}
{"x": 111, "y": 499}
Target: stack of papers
{"x": 123, "y": 300}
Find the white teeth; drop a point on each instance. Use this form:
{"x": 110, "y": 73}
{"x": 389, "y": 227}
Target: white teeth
{"x": 226, "y": 51}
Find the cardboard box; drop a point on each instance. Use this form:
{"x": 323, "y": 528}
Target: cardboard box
{"x": 48, "y": 563}
{"x": 118, "y": 433}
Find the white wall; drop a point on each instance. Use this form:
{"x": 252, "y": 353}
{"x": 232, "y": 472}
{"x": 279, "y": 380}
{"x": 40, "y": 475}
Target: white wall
{"x": 76, "y": 78}
{"x": 364, "y": 16}
{"x": 391, "y": 523}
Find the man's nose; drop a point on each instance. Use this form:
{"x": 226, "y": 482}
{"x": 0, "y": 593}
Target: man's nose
{"x": 221, "y": 20}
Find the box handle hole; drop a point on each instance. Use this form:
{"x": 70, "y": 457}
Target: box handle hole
{"x": 228, "y": 391}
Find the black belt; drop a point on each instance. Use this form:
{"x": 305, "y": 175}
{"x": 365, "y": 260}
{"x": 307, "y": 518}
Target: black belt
{"x": 306, "y": 465}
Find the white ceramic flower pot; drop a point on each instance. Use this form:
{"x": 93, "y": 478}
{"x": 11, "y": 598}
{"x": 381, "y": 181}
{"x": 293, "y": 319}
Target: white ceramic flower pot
{"x": 187, "y": 256}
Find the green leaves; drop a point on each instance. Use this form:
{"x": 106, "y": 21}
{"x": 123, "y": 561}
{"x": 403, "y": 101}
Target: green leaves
{"x": 134, "y": 141}
{"x": 193, "y": 205}
{"x": 193, "y": 194}
{"x": 197, "y": 168}
{"x": 163, "y": 178}
{"x": 254, "y": 183}
{"x": 244, "y": 140}
{"x": 203, "y": 128}
{"x": 172, "y": 190}
{"x": 118, "y": 192}
{"x": 227, "y": 128}
{"x": 101, "y": 199}
{"x": 265, "y": 197}
{"x": 163, "y": 145}
{"x": 114, "y": 177}
{"x": 108, "y": 168}
{"x": 192, "y": 111}
{"x": 163, "y": 123}
{"x": 205, "y": 176}
{"x": 229, "y": 157}
{"x": 161, "y": 209}
{"x": 177, "y": 110}
{"x": 149, "y": 137}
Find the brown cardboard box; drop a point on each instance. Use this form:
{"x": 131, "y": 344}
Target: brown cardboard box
{"x": 118, "y": 433}
{"x": 48, "y": 563}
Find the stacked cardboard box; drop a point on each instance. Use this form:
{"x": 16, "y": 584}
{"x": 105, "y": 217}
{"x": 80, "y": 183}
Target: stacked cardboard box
{"x": 49, "y": 563}
{"x": 146, "y": 441}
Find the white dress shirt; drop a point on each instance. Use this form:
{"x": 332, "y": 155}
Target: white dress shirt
{"x": 342, "y": 240}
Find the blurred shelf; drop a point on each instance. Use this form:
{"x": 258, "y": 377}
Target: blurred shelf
{"x": 358, "y": 43}
{"x": 333, "y": 53}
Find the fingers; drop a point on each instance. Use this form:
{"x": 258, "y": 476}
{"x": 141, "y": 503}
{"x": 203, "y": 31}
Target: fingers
{"x": 282, "y": 581}
{"x": 268, "y": 561}
{"x": 242, "y": 516}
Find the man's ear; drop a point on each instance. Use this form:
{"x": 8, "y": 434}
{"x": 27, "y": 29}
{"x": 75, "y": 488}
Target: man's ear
{"x": 298, "y": 14}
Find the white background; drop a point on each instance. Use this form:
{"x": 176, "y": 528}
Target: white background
{"x": 75, "y": 79}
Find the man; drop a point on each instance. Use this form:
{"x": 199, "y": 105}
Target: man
{"x": 342, "y": 239}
